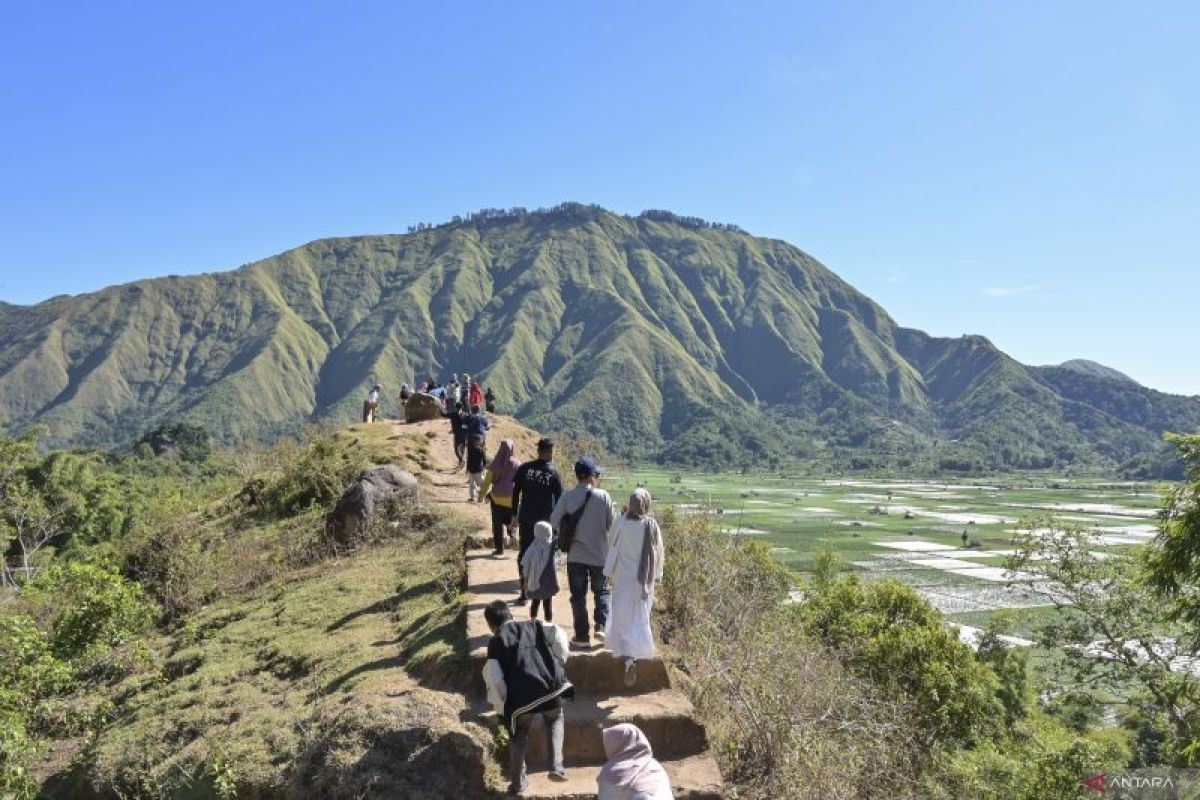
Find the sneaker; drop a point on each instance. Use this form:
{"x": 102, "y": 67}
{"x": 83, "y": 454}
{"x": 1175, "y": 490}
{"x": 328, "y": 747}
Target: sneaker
{"x": 580, "y": 644}
{"x": 497, "y": 552}
{"x": 599, "y": 634}
{"x": 630, "y": 673}
{"x": 518, "y": 790}
{"x": 559, "y": 775}
{"x": 520, "y": 601}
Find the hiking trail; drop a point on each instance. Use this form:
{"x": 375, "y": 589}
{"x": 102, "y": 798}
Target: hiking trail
{"x": 663, "y": 713}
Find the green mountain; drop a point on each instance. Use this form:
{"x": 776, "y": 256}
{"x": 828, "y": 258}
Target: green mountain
{"x": 658, "y": 335}
{"x": 1082, "y": 365}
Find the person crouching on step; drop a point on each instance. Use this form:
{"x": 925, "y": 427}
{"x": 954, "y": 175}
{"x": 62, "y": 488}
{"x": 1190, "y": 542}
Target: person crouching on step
{"x": 539, "y": 565}
{"x": 526, "y": 677}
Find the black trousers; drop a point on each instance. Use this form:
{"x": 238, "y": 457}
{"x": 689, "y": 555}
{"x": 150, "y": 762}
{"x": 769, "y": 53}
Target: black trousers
{"x": 501, "y": 517}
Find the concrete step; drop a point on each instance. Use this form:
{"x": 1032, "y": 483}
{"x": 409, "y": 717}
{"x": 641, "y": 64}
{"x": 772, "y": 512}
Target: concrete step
{"x": 666, "y": 717}
{"x": 696, "y": 778}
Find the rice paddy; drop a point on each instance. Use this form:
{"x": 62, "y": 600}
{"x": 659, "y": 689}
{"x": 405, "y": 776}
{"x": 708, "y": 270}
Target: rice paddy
{"x": 950, "y": 540}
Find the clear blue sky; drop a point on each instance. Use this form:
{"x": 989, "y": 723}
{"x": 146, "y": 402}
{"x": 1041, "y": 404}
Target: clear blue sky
{"x": 1029, "y": 171}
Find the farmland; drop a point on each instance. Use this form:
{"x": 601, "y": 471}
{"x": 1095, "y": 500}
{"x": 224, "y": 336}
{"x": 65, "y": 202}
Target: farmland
{"x": 949, "y": 539}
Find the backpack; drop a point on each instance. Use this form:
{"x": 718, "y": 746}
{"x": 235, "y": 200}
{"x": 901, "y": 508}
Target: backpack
{"x": 569, "y": 523}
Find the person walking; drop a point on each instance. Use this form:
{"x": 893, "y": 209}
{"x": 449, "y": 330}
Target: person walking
{"x": 489, "y": 401}
{"x": 536, "y": 489}
{"x": 454, "y": 390}
{"x": 525, "y": 675}
{"x": 631, "y": 772}
{"x": 371, "y": 404}
{"x": 635, "y": 564}
{"x": 458, "y": 429}
{"x": 498, "y": 490}
{"x": 477, "y": 424}
{"x": 583, "y": 517}
{"x": 476, "y": 463}
{"x": 540, "y": 567}
{"x": 475, "y": 394}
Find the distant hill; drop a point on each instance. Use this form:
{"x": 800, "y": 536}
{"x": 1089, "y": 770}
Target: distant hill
{"x": 1085, "y": 367}
{"x": 661, "y": 336}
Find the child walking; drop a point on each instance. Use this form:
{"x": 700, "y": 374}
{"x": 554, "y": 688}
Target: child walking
{"x": 540, "y": 567}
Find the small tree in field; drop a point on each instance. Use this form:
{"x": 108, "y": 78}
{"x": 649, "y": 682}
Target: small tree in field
{"x": 27, "y": 523}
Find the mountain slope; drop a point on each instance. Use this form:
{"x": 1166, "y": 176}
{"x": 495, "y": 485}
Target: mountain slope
{"x": 659, "y": 335}
{"x": 1085, "y": 367}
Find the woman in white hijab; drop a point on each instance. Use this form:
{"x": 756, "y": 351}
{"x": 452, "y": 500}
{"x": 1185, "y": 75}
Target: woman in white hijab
{"x": 631, "y": 773}
{"x": 635, "y": 564}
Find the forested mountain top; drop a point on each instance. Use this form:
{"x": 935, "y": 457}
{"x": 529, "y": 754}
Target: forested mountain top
{"x": 659, "y": 336}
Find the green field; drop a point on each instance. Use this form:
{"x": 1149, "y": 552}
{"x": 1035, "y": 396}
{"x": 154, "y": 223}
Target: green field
{"x": 910, "y": 529}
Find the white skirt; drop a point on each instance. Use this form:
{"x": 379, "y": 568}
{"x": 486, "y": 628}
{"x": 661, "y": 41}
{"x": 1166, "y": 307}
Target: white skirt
{"x": 627, "y": 633}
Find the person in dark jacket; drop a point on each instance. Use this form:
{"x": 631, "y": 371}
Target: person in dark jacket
{"x": 525, "y": 675}
{"x": 489, "y": 401}
{"x": 476, "y": 464}
{"x": 477, "y": 424}
{"x": 536, "y": 489}
{"x": 458, "y": 428}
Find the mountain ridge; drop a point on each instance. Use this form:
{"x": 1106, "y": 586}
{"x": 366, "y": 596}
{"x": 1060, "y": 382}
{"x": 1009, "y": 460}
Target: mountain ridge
{"x": 638, "y": 331}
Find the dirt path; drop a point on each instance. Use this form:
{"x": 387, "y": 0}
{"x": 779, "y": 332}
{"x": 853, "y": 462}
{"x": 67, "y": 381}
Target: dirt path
{"x": 663, "y": 713}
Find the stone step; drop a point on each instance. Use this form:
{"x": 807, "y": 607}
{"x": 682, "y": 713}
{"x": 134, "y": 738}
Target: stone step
{"x": 666, "y": 717}
{"x": 696, "y": 778}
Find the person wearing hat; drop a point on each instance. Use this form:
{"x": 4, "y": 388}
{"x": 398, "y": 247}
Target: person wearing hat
{"x": 536, "y": 489}
{"x": 590, "y": 511}
{"x": 371, "y": 404}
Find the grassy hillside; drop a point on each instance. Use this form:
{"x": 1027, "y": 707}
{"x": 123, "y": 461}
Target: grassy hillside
{"x": 663, "y": 337}
{"x": 191, "y": 633}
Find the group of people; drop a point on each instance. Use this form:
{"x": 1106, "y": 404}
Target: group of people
{"x": 468, "y": 393}
{"x": 617, "y": 557}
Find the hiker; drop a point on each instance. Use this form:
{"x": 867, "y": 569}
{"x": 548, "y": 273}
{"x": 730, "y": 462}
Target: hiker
{"x": 405, "y": 392}
{"x": 475, "y": 394}
{"x": 458, "y": 429}
{"x": 454, "y": 390}
{"x": 536, "y": 489}
{"x": 583, "y": 517}
{"x": 477, "y": 424}
{"x": 371, "y": 404}
{"x": 498, "y": 490}
{"x": 489, "y": 401}
{"x": 476, "y": 462}
{"x": 631, "y": 772}
{"x": 635, "y": 564}
{"x": 540, "y": 567}
{"x": 526, "y": 677}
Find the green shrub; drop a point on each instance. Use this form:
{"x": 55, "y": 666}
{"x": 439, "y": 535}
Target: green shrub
{"x": 887, "y": 633}
{"x": 314, "y": 472}
{"x": 91, "y": 607}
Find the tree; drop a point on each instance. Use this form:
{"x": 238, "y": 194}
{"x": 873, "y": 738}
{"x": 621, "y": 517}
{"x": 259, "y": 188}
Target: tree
{"x": 1173, "y": 563}
{"x": 27, "y": 522}
{"x": 1117, "y": 644}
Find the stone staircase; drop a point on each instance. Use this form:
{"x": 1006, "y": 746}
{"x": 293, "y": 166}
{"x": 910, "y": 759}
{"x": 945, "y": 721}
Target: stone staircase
{"x": 664, "y": 714}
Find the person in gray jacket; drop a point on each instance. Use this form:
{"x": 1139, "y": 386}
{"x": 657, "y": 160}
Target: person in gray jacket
{"x": 592, "y": 509}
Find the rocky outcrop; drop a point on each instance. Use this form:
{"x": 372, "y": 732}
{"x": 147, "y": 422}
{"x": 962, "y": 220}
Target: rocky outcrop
{"x": 421, "y": 408}
{"x": 372, "y": 491}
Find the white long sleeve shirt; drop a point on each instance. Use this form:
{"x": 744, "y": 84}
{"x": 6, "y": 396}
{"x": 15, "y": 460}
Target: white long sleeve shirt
{"x": 493, "y": 675}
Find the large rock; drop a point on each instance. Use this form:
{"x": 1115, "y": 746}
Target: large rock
{"x": 421, "y": 407}
{"x": 374, "y": 489}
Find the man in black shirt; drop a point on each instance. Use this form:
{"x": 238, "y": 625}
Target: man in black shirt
{"x": 458, "y": 427}
{"x": 536, "y": 489}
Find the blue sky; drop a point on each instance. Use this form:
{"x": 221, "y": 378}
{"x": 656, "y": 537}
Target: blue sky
{"x": 1029, "y": 171}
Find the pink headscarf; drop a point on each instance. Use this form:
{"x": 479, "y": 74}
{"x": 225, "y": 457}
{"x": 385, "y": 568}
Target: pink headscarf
{"x": 631, "y": 764}
{"x": 504, "y": 469}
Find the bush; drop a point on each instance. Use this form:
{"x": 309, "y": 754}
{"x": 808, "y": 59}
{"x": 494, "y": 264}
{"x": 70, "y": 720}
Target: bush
{"x": 786, "y": 720}
{"x": 887, "y": 633}
{"x": 91, "y": 608}
{"x": 313, "y": 473}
